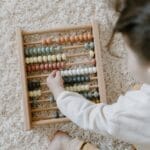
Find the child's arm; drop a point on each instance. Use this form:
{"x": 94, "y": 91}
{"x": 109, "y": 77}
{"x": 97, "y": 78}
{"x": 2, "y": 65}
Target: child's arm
{"x": 78, "y": 109}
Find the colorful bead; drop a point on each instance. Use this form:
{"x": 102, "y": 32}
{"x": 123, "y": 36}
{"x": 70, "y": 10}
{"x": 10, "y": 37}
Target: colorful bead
{"x": 31, "y": 60}
{"x": 30, "y": 52}
{"x": 81, "y": 38}
{"x": 46, "y": 67}
{"x": 58, "y": 48}
{"x": 41, "y": 67}
{"x": 64, "y": 57}
{"x": 87, "y": 46}
{"x": 47, "y": 50}
{"x": 52, "y": 49}
{"x": 39, "y": 59}
{"x": 45, "y": 58}
{"x": 85, "y": 37}
{"x": 35, "y": 60}
{"x": 54, "y": 65}
{"x": 76, "y": 38}
{"x": 27, "y": 52}
{"x": 66, "y": 39}
{"x": 89, "y": 36}
{"x": 39, "y": 51}
{"x": 91, "y": 53}
{"x": 62, "y": 40}
{"x": 43, "y": 50}
{"x": 27, "y": 60}
{"x": 34, "y": 51}
{"x": 43, "y": 41}
{"x": 58, "y": 56}
{"x": 51, "y": 99}
{"x": 72, "y": 39}
{"x": 48, "y": 41}
{"x": 54, "y": 58}
{"x": 49, "y": 58}
{"x": 91, "y": 45}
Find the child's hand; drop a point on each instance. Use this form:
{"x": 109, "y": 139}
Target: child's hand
{"x": 55, "y": 83}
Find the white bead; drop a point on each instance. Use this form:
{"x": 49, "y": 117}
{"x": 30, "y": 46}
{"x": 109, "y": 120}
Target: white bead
{"x": 49, "y": 58}
{"x": 73, "y": 72}
{"x": 75, "y": 88}
{"x": 86, "y": 70}
{"x": 31, "y": 60}
{"x": 65, "y": 72}
{"x": 94, "y": 69}
{"x": 39, "y": 93}
{"x": 39, "y": 59}
{"x": 58, "y": 57}
{"x": 71, "y": 88}
{"x": 82, "y": 71}
{"x": 30, "y": 94}
{"x": 44, "y": 58}
{"x": 27, "y": 60}
{"x": 87, "y": 87}
{"x": 90, "y": 70}
{"x": 51, "y": 99}
{"x": 34, "y": 93}
{"x": 78, "y": 72}
{"x": 63, "y": 57}
{"x": 91, "y": 53}
{"x": 35, "y": 60}
{"x": 53, "y": 57}
{"x": 70, "y": 72}
{"x": 62, "y": 73}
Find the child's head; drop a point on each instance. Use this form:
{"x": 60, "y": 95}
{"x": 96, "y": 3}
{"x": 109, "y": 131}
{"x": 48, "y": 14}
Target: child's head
{"x": 134, "y": 24}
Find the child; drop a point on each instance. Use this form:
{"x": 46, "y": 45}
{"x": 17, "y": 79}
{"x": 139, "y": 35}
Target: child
{"x": 129, "y": 118}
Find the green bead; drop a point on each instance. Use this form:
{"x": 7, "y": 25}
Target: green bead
{"x": 74, "y": 79}
{"x": 91, "y": 45}
{"x": 43, "y": 50}
{"x": 34, "y": 51}
{"x": 87, "y": 78}
{"x": 89, "y": 95}
{"x": 82, "y": 78}
{"x": 87, "y": 46}
{"x": 39, "y": 51}
{"x": 52, "y": 49}
{"x": 31, "y": 52}
{"x": 27, "y": 51}
{"x": 47, "y": 50}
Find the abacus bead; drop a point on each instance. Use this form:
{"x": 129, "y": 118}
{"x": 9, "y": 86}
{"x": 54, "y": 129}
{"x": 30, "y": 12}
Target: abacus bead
{"x": 47, "y": 50}
{"x": 49, "y": 58}
{"x": 86, "y": 70}
{"x": 94, "y": 69}
{"x": 46, "y": 67}
{"x": 62, "y": 64}
{"x": 87, "y": 87}
{"x": 90, "y": 70}
{"x": 90, "y": 37}
{"x": 41, "y": 67}
{"x": 74, "y": 72}
{"x": 58, "y": 56}
{"x": 53, "y": 57}
{"x": 42, "y": 50}
{"x": 58, "y": 65}
{"x": 43, "y": 41}
{"x": 28, "y": 68}
{"x": 27, "y": 60}
{"x": 35, "y": 60}
{"x": 80, "y": 38}
{"x": 33, "y": 68}
{"x": 66, "y": 39}
{"x": 69, "y": 79}
{"x": 94, "y": 61}
{"x": 86, "y": 46}
{"x": 62, "y": 40}
{"x": 72, "y": 39}
{"x": 65, "y": 73}
{"x": 78, "y": 79}
{"x": 48, "y": 41}
{"x": 37, "y": 67}
{"x": 39, "y": 51}
{"x": 82, "y": 78}
{"x": 52, "y": 49}
{"x": 63, "y": 57}
{"x": 85, "y": 37}
{"x": 30, "y": 94}
{"x": 50, "y": 66}
{"x": 45, "y": 58}
{"x": 62, "y": 73}
{"x": 34, "y": 51}
{"x": 91, "y": 53}
{"x": 31, "y": 60}
{"x": 39, "y": 59}
{"x": 86, "y": 94}
{"x": 91, "y": 45}
{"x": 87, "y": 78}
{"x": 76, "y": 38}
{"x": 96, "y": 94}
{"x": 82, "y": 71}
{"x": 27, "y": 52}
{"x": 34, "y": 93}
{"x": 74, "y": 79}
{"x": 31, "y": 52}
{"x": 51, "y": 99}
{"x": 39, "y": 93}
{"x": 54, "y": 65}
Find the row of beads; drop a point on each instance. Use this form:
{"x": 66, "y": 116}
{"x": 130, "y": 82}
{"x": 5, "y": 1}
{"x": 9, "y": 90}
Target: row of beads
{"x": 77, "y": 88}
{"x": 90, "y": 95}
{"x": 72, "y": 39}
{"x": 33, "y": 85}
{"x": 50, "y": 50}
{"x": 35, "y": 93}
{"x": 45, "y": 67}
{"x": 79, "y": 71}
{"x": 76, "y": 79}
{"x": 49, "y": 58}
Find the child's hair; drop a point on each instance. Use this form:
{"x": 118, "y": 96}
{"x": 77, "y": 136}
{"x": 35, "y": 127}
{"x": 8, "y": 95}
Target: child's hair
{"x": 134, "y": 23}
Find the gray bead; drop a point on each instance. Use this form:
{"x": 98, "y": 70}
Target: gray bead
{"x": 52, "y": 49}
{"x": 96, "y": 94}
{"x": 58, "y": 49}
{"x": 43, "y": 50}
{"x": 35, "y": 51}
{"x": 87, "y": 46}
{"x": 39, "y": 51}
{"x": 91, "y": 45}
{"x": 31, "y": 52}
{"x": 27, "y": 51}
{"x": 47, "y": 50}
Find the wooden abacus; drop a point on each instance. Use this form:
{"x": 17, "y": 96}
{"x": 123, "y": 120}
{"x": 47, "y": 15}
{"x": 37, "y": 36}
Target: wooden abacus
{"x": 59, "y": 51}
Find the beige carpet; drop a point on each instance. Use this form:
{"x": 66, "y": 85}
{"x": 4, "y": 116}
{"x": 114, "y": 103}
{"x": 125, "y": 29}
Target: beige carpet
{"x": 43, "y": 14}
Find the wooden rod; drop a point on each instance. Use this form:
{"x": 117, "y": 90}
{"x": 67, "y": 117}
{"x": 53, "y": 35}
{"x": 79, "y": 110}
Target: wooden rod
{"x": 44, "y": 109}
{"x": 91, "y": 87}
{"x": 59, "y": 29}
{"x": 78, "y": 55}
{"x": 91, "y": 78}
{"x": 44, "y": 118}
{"x": 50, "y": 121}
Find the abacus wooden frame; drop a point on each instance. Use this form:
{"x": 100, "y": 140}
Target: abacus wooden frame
{"x": 101, "y": 83}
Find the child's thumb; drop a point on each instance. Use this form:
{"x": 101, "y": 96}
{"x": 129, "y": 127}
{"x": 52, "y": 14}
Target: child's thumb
{"x": 58, "y": 75}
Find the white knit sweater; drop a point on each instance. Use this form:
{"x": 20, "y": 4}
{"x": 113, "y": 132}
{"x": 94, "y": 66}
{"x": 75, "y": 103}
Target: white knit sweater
{"x": 128, "y": 119}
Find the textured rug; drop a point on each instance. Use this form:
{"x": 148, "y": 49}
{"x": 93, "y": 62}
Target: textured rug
{"x": 44, "y": 14}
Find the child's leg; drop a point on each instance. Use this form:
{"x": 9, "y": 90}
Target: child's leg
{"x": 62, "y": 141}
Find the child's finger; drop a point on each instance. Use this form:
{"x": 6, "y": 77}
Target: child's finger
{"x": 58, "y": 75}
{"x": 53, "y": 74}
